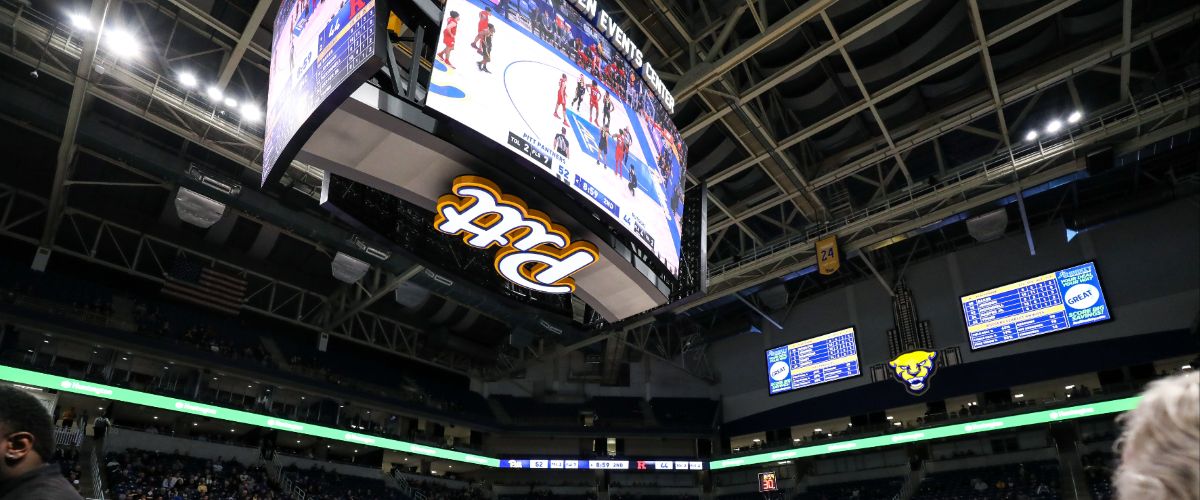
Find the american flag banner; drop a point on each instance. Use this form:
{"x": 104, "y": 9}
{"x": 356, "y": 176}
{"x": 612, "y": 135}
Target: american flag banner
{"x": 191, "y": 281}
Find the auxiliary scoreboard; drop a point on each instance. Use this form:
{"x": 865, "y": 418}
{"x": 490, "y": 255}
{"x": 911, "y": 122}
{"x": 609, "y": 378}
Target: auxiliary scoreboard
{"x": 1035, "y": 306}
{"x": 829, "y": 357}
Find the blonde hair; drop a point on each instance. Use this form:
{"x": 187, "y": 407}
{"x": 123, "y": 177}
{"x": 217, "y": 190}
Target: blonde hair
{"x": 1160, "y": 446}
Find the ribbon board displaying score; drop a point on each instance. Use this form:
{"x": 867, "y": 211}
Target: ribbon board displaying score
{"x": 1035, "y": 306}
{"x": 829, "y": 357}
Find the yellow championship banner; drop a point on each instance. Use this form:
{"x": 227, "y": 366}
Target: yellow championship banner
{"x": 827, "y": 255}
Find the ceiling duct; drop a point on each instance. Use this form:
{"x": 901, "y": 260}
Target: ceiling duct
{"x": 348, "y": 269}
{"x": 988, "y": 226}
{"x": 197, "y": 209}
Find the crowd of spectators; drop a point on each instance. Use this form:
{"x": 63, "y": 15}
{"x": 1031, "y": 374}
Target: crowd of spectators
{"x": 1098, "y": 466}
{"x": 874, "y": 488}
{"x": 1034, "y": 481}
{"x": 67, "y": 458}
{"x": 147, "y": 475}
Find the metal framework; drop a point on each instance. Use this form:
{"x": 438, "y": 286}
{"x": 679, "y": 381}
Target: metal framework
{"x": 115, "y": 246}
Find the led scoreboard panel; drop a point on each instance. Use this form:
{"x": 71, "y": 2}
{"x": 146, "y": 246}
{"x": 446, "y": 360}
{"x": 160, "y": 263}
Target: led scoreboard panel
{"x": 567, "y": 464}
{"x": 829, "y": 357}
{"x": 1039, "y": 305}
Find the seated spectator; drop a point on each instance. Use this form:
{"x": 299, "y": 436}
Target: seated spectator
{"x": 1160, "y": 447}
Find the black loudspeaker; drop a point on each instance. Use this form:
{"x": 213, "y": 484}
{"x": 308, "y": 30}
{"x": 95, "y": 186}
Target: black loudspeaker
{"x": 1100, "y": 161}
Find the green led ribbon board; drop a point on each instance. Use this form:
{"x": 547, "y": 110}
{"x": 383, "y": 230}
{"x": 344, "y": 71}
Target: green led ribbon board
{"x": 32, "y": 378}
{"x": 37, "y": 379}
{"x": 995, "y": 424}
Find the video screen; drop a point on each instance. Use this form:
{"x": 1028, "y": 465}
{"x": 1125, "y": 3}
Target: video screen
{"x": 1035, "y": 306}
{"x": 317, "y": 45}
{"x": 829, "y": 357}
{"x": 545, "y": 83}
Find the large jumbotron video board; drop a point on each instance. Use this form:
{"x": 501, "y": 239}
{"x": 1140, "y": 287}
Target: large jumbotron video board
{"x": 317, "y": 48}
{"x": 547, "y": 84}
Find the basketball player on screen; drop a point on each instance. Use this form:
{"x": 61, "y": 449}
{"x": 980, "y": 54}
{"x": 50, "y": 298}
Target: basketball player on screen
{"x": 619, "y": 166}
{"x": 481, "y": 29}
{"x": 485, "y": 49}
{"x": 448, "y": 36}
{"x": 602, "y": 153}
{"x": 608, "y": 107}
{"x": 594, "y": 102}
{"x": 580, "y": 87}
{"x": 561, "y": 145}
{"x": 562, "y": 99}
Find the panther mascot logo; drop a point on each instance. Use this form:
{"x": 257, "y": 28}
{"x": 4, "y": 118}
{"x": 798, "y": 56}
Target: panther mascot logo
{"x": 914, "y": 369}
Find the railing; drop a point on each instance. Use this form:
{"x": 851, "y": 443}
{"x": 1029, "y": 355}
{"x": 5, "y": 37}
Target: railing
{"x": 404, "y": 487}
{"x": 97, "y": 482}
{"x": 998, "y": 167}
{"x": 68, "y": 437}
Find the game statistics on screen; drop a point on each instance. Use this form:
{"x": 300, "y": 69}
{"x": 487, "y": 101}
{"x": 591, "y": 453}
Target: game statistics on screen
{"x": 320, "y": 51}
{"x": 826, "y": 358}
{"x": 1036, "y": 306}
{"x": 544, "y": 83}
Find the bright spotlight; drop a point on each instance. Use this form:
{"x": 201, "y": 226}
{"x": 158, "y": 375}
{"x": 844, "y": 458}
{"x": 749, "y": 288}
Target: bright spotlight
{"x": 251, "y": 113}
{"x": 80, "y": 22}
{"x": 1031, "y": 135}
{"x": 188, "y": 80}
{"x": 1053, "y": 126}
{"x": 231, "y": 102}
{"x": 1074, "y": 117}
{"x": 214, "y": 93}
{"x": 122, "y": 43}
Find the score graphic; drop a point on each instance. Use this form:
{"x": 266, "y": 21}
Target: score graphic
{"x": 1035, "y": 306}
{"x": 536, "y": 254}
{"x": 826, "y": 358}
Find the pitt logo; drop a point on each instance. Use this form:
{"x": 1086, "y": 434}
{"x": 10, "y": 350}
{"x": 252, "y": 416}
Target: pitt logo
{"x": 534, "y": 253}
{"x": 914, "y": 369}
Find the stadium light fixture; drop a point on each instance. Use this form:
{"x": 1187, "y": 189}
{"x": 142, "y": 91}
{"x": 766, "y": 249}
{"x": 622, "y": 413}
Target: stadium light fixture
{"x": 214, "y": 93}
{"x": 816, "y": 430}
{"x": 1018, "y": 396}
{"x": 1054, "y": 126}
{"x": 122, "y": 43}
{"x": 889, "y": 417}
{"x": 757, "y": 440}
{"x": 231, "y": 102}
{"x": 156, "y": 417}
{"x": 1069, "y": 387}
{"x": 1074, "y": 117}
{"x": 124, "y": 359}
{"x": 1031, "y": 135}
{"x": 1186, "y": 367}
{"x": 80, "y": 22}
{"x": 795, "y": 440}
{"x": 194, "y": 424}
{"x": 188, "y": 79}
{"x": 45, "y": 341}
{"x": 897, "y": 424}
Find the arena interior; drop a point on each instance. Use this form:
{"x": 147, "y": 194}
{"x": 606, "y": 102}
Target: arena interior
{"x": 823, "y": 249}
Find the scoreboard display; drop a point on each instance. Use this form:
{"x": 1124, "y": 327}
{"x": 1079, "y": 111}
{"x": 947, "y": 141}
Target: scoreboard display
{"x": 1035, "y": 306}
{"x": 829, "y": 357}
{"x": 609, "y": 464}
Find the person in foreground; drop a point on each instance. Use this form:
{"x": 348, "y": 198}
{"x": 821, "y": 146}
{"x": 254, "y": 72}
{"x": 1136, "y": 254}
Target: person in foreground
{"x": 26, "y": 441}
{"x": 1160, "y": 446}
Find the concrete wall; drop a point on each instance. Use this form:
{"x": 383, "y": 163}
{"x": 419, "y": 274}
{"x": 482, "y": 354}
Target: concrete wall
{"x": 1148, "y": 265}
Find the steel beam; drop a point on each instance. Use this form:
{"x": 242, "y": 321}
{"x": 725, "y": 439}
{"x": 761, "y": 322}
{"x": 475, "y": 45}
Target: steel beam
{"x": 65, "y": 158}
{"x": 693, "y": 82}
{"x": 243, "y": 43}
{"x": 972, "y": 108}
